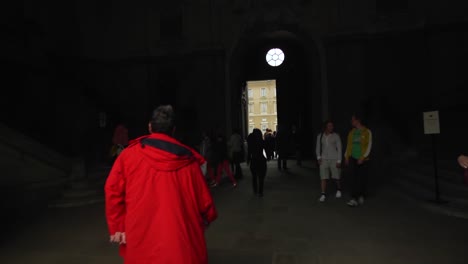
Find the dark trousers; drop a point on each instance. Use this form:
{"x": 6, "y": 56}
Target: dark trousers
{"x": 359, "y": 175}
{"x": 282, "y": 160}
{"x": 269, "y": 152}
{"x": 258, "y": 170}
{"x": 220, "y": 167}
{"x": 236, "y": 160}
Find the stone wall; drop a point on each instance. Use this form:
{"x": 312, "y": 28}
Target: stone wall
{"x": 32, "y": 174}
{"x": 72, "y": 60}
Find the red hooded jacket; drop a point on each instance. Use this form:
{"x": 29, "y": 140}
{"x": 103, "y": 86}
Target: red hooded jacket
{"x": 157, "y": 195}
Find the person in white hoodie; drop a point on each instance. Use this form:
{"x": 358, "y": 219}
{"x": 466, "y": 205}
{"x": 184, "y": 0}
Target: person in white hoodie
{"x": 329, "y": 152}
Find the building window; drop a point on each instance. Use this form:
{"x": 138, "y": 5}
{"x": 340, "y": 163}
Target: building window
{"x": 264, "y": 108}
{"x": 264, "y": 127}
{"x": 251, "y": 106}
{"x": 274, "y": 107}
{"x": 250, "y": 93}
{"x": 251, "y": 128}
{"x": 263, "y": 92}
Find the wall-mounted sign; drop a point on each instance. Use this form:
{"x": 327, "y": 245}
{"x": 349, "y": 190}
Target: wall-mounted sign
{"x": 431, "y": 122}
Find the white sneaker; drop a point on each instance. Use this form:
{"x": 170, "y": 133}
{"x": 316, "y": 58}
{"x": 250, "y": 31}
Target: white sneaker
{"x": 353, "y": 203}
{"x": 338, "y": 194}
{"x": 361, "y": 200}
{"x": 322, "y": 198}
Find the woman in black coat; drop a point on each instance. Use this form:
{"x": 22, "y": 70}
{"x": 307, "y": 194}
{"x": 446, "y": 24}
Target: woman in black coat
{"x": 257, "y": 160}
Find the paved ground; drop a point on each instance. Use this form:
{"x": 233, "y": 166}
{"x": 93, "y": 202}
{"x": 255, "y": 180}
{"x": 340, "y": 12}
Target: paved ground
{"x": 287, "y": 226}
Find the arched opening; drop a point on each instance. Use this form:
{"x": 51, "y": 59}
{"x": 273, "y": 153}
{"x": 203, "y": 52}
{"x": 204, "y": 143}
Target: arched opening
{"x": 298, "y": 88}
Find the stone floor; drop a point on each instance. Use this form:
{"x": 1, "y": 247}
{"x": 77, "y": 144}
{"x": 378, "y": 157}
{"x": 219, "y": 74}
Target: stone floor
{"x": 287, "y": 226}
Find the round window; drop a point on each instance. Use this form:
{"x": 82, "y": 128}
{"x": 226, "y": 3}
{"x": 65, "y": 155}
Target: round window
{"x": 275, "y": 57}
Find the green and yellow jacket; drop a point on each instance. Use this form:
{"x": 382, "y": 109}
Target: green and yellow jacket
{"x": 366, "y": 143}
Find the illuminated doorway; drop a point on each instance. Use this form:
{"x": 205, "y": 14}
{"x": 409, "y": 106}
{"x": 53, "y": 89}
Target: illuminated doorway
{"x": 262, "y": 106}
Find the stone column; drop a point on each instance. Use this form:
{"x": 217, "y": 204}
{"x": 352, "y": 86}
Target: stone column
{"x": 323, "y": 78}
{"x": 227, "y": 95}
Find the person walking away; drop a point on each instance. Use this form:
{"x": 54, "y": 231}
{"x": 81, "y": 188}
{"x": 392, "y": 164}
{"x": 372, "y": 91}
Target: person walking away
{"x": 275, "y": 152}
{"x": 235, "y": 146}
{"x": 119, "y": 140}
{"x": 221, "y": 162}
{"x": 256, "y": 160}
{"x": 205, "y": 151}
{"x": 282, "y": 146}
{"x": 269, "y": 144}
{"x": 157, "y": 203}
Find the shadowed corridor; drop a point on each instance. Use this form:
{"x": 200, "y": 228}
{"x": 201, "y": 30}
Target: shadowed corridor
{"x": 287, "y": 226}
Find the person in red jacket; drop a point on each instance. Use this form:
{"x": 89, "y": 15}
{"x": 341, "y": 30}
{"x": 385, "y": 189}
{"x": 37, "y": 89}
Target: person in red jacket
{"x": 158, "y": 204}
{"x": 119, "y": 140}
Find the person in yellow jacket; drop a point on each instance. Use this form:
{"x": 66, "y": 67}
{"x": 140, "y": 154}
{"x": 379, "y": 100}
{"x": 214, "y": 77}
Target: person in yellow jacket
{"x": 358, "y": 148}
